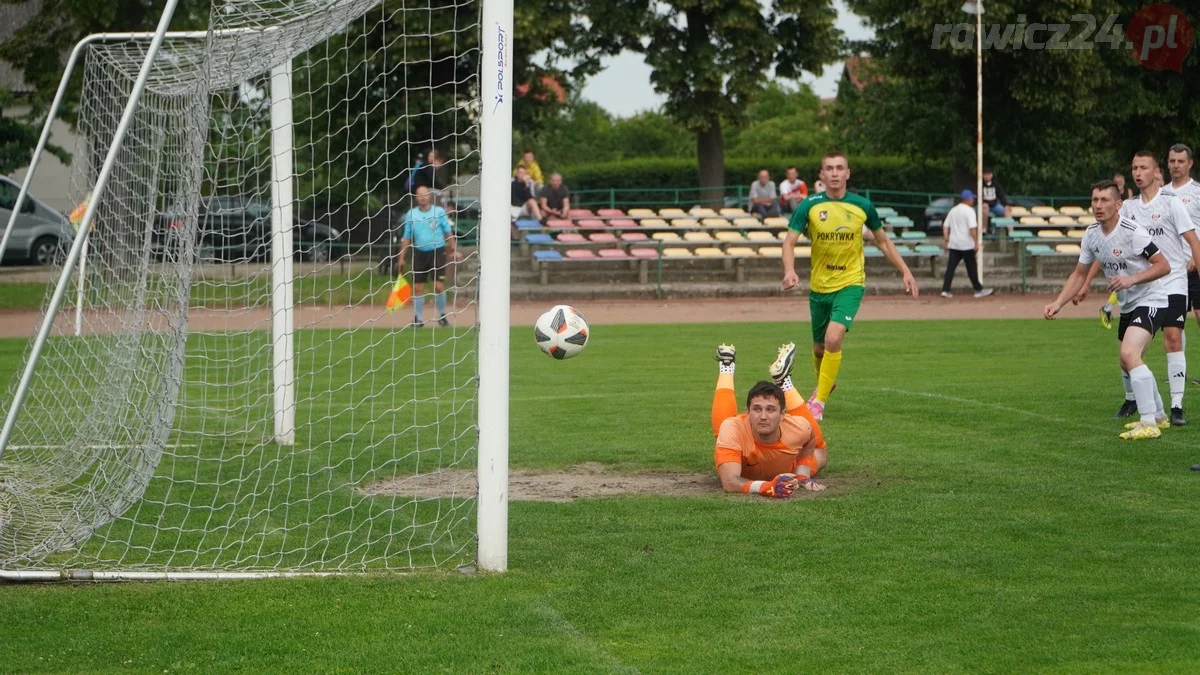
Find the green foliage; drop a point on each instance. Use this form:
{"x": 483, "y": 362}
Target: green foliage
{"x": 1055, "y": 120}
{"x": 867, "y": 172}
{"x": 584, "y": 132}
{"x": 973, "y": 523}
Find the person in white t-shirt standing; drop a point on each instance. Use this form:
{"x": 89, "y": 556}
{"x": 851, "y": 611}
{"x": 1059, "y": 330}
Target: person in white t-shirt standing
{"x": 958, "y": 232}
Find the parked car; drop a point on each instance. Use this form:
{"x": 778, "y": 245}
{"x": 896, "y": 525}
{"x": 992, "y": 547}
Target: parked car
{"x": 238, "y": 228}
{"x": 936, "y": 212}
{"x": 40, "y": 234}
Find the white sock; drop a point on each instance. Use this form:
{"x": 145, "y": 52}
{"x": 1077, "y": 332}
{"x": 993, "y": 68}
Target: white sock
{"x": 786, "y": 384}
{"x": 1158, "y": 404}
{"x": 723, "y": 369}
{"x": 1144, "y": 391}
{"x": 1127, "y": 385}
{"x": 1177, "y": 371}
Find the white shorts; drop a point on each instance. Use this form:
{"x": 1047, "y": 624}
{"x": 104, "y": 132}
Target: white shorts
{"x": 518, "y": 212}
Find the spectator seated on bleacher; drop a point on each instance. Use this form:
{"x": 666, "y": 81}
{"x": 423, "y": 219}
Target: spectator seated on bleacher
{"x": 533, "y": 172}
{"x": 764, "y": 200}
{"x": 522, "y": 203}
{"x": 994, "y": 197}
{"x": 792, "y": 190}
{"x": 555, "y": 198}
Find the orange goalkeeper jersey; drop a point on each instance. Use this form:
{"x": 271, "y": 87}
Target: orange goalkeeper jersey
{"x": 736, "y": 443}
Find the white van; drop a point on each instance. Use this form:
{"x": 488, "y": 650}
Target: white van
{"x": 40, "y": 234}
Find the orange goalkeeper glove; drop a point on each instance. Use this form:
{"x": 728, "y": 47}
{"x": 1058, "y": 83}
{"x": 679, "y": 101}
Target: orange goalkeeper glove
{"x": 780, "y": 486}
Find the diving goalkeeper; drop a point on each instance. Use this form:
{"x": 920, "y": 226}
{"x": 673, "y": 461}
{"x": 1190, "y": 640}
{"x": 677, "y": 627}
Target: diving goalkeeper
{"x": 765, "y": 450}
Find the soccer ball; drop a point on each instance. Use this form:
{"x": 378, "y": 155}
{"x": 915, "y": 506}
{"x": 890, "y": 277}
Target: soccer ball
{"x": 561, "y": 332}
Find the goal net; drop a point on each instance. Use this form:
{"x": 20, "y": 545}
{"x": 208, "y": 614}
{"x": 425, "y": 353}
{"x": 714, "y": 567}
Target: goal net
{"x": 223, "y": 388}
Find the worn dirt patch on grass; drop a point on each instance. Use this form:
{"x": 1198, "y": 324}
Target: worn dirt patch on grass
{"x": 591, "y": 479}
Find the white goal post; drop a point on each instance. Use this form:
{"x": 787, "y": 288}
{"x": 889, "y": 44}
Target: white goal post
{"x": 131, "y": 446}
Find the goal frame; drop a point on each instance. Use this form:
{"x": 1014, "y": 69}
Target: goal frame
{"x": 493, "y": 320}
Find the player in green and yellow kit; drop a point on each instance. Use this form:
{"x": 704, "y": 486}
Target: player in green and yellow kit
{"x": 833, "y": 220}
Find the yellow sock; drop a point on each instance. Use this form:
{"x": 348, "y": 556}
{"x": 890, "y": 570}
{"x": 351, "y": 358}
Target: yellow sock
{"x": 1112, "y": 298}
{"x": 828, "y": 375}
{"x": 816, "y": 366}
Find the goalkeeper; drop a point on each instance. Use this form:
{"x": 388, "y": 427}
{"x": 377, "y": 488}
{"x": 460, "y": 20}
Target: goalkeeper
{"x": 765, "y": 450}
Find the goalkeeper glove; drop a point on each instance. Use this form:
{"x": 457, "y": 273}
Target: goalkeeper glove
{"x": 780, "y": 486}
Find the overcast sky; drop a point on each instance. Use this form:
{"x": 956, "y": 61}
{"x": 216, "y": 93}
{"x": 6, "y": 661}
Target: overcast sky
{"x": 623, "y": 87}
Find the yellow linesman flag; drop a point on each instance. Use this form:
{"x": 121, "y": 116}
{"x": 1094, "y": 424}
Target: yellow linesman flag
{"x": 401, "y": 294}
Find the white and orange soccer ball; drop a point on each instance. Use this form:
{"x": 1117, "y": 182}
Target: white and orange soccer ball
{"x": 561, "y": 332}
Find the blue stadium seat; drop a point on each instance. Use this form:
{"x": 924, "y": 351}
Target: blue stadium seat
{"x": 539, "y": 238}
{"x": 913, "y": 235}
{"x": 528, "y": 224}
{"x": 929, "y": 249}
{"x": 546, "y": 256}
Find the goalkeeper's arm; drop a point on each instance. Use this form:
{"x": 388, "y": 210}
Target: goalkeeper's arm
{"x": 780, "y": 486}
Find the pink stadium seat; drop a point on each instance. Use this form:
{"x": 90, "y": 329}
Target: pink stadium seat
{"x": 590, "y": 224}
{"x": 559, "y": 223}
{"x": 634, "y": 236}
{"x": 613, "y": 253}
{"x": 571, "y": 238}
{"x": 622, "y": 222}
{"x": 643, "y": 252}
{"x": 603, "y": 238}
{"x": 580, "y": 213}
{"x": 610, "y": 213}
{"x": 581, "y": 254}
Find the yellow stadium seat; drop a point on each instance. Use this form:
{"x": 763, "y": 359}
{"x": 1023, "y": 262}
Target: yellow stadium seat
{"x": 775, "y": 221}
{"x": 1067, "y": 248}
{"x": 1072, "y": 211}
{"x": 1049, "y": 234}
{"x": 741, "y": 251}
{"x": 1075, "y": 234}
{"x": 760, "y": 236}
{"x": 708, "y": 252}
{"x": 1018, "y": 211}
{"x": 677, "y": 253}
{"x": 671, "y": 212}
{"x": 654, "y": 222}
{"x": 1033, "y": 220}
{"x": 1044, "y": 211}
{"x": 746, "y": 222}
{"x": 781, "y": 235}
{"x": 771, "y": 252}
{"x": 729, "y": 235}
{"x": 640, "y": 213}
{"x": 803, "y": 251}
{"x": 734, "y": 213}
{"x": 697, "y": 236}
{"x": 714, "y": 222}
{"x": 1086, "y": 219}
{"x": 665, "y": 236}
{"x": 685, "y": 222}
{"x": 1062, "y": 220}
{"x": 702, "y": 212}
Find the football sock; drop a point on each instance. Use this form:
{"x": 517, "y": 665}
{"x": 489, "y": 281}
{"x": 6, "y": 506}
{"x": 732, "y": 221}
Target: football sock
{"x": 787, "y": 386}
{"x": 1158, "y": 403}
{"x": 1144, "y": 392}
{"x": 807, "y": 466}
{"x": 440, "y": 301}
{"x": 726, "y": 370}
{"x": 724, "y": 402}
{"x": 816, "y": 367}
{"x": 418, "y": 308}
{"x": 1127, "y": 385}
{"x": 1177, "y": 377}
{"x": 829, "y": 372}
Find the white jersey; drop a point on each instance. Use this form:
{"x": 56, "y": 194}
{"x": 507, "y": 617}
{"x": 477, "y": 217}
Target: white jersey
{"x": 1165, "y": 218}
{"x": 1189, "y": 196}
{"x": 1122, "y": 253}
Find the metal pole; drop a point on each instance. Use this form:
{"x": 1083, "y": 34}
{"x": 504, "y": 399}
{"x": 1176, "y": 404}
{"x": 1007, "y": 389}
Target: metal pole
{"x": 979, "y": 134}
{"x": 282, "y": 277}
{"x": 494, "y": 266}
{"x": 76, "y": 247}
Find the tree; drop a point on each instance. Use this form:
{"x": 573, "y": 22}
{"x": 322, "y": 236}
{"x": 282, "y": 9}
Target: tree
{"x": 1054, "y": 119}
{"x": 712, "y": 58}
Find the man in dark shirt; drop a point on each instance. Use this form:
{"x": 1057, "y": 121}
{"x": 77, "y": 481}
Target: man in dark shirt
{"x": 523, "y": 204}
{"x": 993, "y": 195}
{"x": 555, "y": 198}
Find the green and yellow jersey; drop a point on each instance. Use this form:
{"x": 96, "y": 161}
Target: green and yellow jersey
{"x": 835, "y": 228}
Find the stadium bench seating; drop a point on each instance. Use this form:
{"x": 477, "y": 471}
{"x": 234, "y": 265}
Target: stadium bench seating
{"x": 610, "y": 213}
{"x": 528, "y": 224}
{"x": 634, "y": 236}
{"x": 908, "y": 235}
{"x": 1075, "y": 211}
{"x": 1076, "y": 234}
{"x": 666, "y": 236}
{"x": 570, "y": 238}
{"x": 1065, "y": 221}
{"x": 775, "y": 221}
{"x": 734, "y": 213}
{"x": 746, "y": 222}
{"x": 603, "y": 238}
{"x": 575, "y": 214}
{"x": 672, "y": 212}
{"x": 1072, "y": 249}
{"x": 641, "y": 213}
{"x": 655, "y": 222}
{"x": 1044, "y": 211}
{"x": 1018, "y": 211}
{"x": 686, "y": 223}
{"x": 886, "y": 212}
{"x": 714, "y": 222}
{"x": 1033, "y": 221}
{"x": 700, "y": 212}
{"x": 1050, "y": 234}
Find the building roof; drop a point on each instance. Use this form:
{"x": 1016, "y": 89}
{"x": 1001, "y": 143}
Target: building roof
{"x": 12, "y": 17}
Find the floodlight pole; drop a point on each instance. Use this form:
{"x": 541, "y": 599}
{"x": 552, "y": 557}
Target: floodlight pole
{"x": 976, "y": 7}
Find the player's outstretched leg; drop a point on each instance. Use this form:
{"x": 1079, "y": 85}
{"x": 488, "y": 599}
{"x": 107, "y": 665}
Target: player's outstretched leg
{"x": 781, "y": 373}
{"x": 724, "y": 403}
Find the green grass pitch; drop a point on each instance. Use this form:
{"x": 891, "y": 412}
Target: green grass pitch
{"x": 984, "y": 518}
